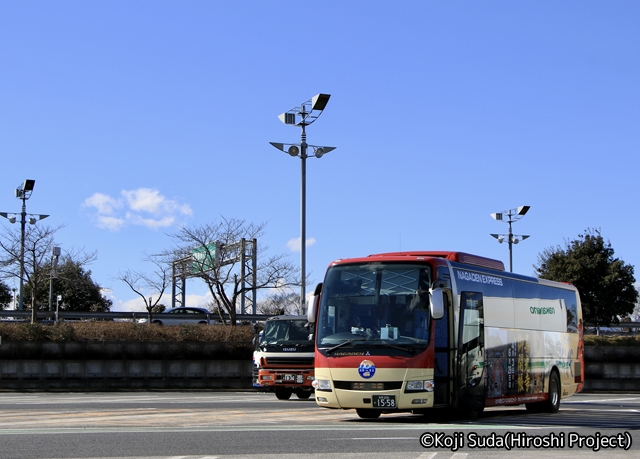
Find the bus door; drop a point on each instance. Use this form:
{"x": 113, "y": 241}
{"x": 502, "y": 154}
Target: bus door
{"x": 442, "y": 368}
{"x": 445, "y": 346}
{"x": 470, "y": 381}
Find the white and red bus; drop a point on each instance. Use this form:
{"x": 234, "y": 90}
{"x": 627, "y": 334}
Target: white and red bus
{"x": 413, "y": 331}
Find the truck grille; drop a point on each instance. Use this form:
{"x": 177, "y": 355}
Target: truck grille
{"x": 290, "y": 361}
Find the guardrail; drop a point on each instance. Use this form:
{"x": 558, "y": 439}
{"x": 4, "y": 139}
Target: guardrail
{"x": 84, "y": 315}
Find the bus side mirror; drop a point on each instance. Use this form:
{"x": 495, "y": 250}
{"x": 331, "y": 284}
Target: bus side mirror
{"x": 313, "y": 308}
{"x": 436, "y": 303}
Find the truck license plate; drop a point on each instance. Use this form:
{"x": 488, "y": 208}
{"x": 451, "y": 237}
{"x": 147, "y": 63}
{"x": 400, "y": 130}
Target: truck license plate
{"x": 288, "y": 377}
{"x": 384, "y": 401}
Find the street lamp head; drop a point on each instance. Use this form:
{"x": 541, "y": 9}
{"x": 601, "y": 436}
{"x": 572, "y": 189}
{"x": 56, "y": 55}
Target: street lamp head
{"x": 499, "y": 237}
{"x": 307, "y": 112}
{"x": 511, "y": 215}
{"x": 319, "y": 102}
{"x": 519, "y": 238}
{"x": 34, "y": 218}
{"x": 319, "y": 152}
{"x": 28, "y": 185}
{"x": 11, "y": 218}
{"x": 289, "y": 148}
{"x": 287, "y": 118}
{"x": 25, "y": 189}
{"x": 293, "y": 150}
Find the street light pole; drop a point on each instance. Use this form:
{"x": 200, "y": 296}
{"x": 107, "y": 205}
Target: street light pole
{"x": 513, "y": 215}
{"x": 303, "y": 116}
{"x": 23, "y": 192}
{"x": 303, "y": 218}
{"x": 23, "y": 222}
{"x": 54, "y": 264}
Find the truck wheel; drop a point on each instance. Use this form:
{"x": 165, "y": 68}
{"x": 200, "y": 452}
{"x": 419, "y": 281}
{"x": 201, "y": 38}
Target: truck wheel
{"x": 303, "y": 394}
{"x": 368, "y": 414}
{"x": 283, "y": 393}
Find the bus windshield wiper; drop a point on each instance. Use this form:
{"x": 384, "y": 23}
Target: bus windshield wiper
{"x": 344, "y": 343}
{"x": 406, "y": 347}
{"x": 403, "y": 347}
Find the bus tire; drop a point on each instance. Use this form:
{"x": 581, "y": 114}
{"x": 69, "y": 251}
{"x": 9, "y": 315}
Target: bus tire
{"x": 552, "y": 405}
{"x": 282, "y": 393}
{"x": 368, "y": 413}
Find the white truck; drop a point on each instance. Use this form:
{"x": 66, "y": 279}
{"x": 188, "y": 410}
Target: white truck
{"x": 283, "y": 357}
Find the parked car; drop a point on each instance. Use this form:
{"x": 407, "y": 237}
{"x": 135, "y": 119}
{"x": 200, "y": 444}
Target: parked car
{"x": 177, "y": 316}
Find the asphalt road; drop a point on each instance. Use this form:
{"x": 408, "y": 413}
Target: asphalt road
{"x": 234, "y": 425}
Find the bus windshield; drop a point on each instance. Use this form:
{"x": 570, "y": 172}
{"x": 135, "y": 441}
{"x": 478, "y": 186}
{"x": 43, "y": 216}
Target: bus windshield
{"x": 375, "y": 303}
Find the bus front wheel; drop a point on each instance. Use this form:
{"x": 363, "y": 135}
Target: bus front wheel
{"x": 368, "y": 414}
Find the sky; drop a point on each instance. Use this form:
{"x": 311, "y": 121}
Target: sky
{"x": 137, "y": 118}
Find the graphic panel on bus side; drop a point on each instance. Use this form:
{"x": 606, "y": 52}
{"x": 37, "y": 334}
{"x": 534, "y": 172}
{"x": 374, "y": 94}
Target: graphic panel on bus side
{"x": 518, "y": 362}
{"x": 511, "y": 370}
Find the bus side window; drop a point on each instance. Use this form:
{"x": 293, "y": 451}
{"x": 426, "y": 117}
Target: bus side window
{"x": 471, "y": 339}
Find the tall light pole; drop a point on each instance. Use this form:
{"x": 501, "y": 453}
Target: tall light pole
{"x": 512, "y": 215}
{"x": 303, "y": 116}
{"x": 54, "y": 264}
{"x": 23, "y": 192}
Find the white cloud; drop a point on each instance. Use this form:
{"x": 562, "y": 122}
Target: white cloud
{"x": 136, "y": 219}
{"x": 104, "y": 204}
{"x": 110, "y": 223}
{"x": 137, "y": 304}
{"x": 142, "y": 207}
{"x": 294, "y": 244}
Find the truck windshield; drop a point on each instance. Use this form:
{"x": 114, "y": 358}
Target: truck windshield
{"x": 285, "y": 332}
{"x": 384, "y": 304}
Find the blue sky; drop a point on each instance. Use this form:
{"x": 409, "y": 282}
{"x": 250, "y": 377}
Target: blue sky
{"x": 135, "y": 117}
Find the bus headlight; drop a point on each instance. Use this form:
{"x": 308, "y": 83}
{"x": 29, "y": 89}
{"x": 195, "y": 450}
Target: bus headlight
{"x": 322, "y": 384}
{"x": 419, "y": 386}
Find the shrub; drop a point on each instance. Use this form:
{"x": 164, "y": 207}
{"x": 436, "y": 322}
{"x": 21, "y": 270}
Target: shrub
{"x": 612, "y": 340}
{"x": 124, "y": 331}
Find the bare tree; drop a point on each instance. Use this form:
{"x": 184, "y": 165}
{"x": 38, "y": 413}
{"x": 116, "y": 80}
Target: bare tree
{"x": 38, "y": 246}
{"x": 219, "y": 260}
{"x": 154, "y": 283}
{"x": 281, "y": 302}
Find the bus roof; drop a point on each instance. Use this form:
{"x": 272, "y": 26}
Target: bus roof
{"x": 460, "y": 257}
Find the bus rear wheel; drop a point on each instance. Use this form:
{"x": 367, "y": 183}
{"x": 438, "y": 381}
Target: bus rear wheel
{"x": 552, "y": 403}
{"x": 367, "y": 413}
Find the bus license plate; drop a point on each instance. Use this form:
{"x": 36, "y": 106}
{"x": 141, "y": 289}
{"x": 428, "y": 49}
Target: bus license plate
{"x": 384, "y": 401}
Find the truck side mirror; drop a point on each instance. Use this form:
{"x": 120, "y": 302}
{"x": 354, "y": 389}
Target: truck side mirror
{"x": 436, "y": 303}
